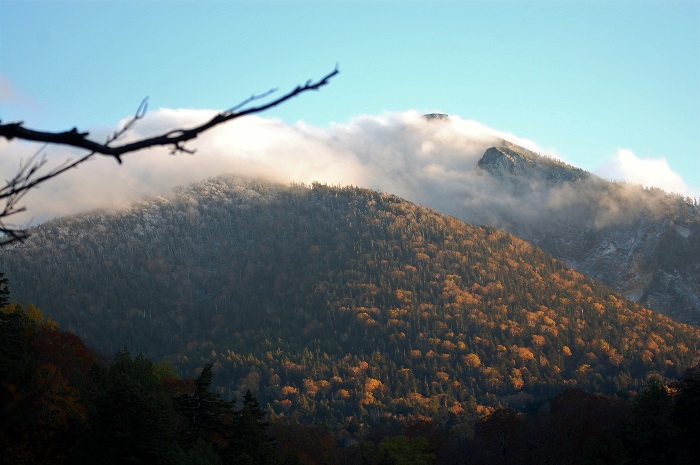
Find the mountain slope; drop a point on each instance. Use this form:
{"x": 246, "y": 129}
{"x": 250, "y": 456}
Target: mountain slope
{"x": 642, "y": 242}
{"x": 339, "y": 304}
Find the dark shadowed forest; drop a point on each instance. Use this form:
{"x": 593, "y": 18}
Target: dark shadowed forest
{"x": 63, "y": 404}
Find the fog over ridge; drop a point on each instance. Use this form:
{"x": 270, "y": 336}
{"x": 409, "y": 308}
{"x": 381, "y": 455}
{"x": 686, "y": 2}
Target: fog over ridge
{"x": 430, "y": 162}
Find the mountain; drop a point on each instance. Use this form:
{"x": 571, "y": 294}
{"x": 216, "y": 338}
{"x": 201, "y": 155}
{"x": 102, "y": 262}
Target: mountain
{"x": 339, "y": 305}
{"x": 644, "y": 243}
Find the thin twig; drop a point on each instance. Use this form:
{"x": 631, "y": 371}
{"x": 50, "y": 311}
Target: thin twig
{"x": 27, "y": 176}
{"x": 75, "y": 138}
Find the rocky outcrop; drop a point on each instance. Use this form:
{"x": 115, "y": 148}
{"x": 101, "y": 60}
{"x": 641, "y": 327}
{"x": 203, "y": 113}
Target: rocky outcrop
{"x": 436, "y": 116}
{"x": 514, "y": 164}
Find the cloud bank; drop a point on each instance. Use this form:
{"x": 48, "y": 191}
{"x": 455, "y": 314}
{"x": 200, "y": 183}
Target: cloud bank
{"x": 433, "y": 163}
{"x": 648, "y": 172}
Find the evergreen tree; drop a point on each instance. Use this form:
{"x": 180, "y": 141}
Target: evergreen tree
{"x": 205, "y": 416}
{"x": 131, "y": 422}
{"x": 686, "y": 412}
{"x": 653, "y": 434}
{"x": 4, "y": 290}
{"x": 202, "y": 453}
{"x": 252, "y": 444}
{"x": 17, "y": 368}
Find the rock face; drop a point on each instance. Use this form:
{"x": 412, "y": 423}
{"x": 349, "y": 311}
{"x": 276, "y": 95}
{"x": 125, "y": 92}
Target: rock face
{"x": 436, "y": 116}
{"x": 642, "y": 242}
{"x": 519, "y": 165}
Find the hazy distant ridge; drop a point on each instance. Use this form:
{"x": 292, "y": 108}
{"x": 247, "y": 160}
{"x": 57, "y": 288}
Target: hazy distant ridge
{"x": 643, "y": 242}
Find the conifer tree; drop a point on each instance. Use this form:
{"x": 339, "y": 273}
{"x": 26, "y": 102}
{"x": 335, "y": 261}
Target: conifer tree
{"x": 4, "y": 290}
{"x": 252, "y": 444}
{"x": 205, "y": 416}
{"x": 131, "y": 421}
{"x": 653, "y": 434}
{"x": 686, "y": 411}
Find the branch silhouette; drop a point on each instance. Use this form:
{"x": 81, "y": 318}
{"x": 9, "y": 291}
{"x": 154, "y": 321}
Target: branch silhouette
{"x": 28, "y": 175}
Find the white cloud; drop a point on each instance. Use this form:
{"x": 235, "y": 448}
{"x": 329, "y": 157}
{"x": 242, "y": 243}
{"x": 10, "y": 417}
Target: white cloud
{"x": 648, "y": 172}
{"x": 402, "y": 153}
{"x": 432, "y": 163}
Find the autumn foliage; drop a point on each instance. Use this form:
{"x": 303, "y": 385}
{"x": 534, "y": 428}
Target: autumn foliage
{"x": 62, "y": 404}
{"x": 341, "y": 306}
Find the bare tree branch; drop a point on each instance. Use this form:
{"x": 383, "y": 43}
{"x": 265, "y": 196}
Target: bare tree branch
{"x": 28, "y": 177}
{"x": 75, "y": 138}
{"x": 24, "y": 181}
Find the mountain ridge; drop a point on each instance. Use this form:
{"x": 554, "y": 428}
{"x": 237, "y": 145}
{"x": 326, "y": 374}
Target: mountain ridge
{"x": 340, "y": 303}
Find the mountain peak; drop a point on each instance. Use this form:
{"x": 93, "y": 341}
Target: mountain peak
{"x": 436, "y": 117}
{"x": 509, "y": 161}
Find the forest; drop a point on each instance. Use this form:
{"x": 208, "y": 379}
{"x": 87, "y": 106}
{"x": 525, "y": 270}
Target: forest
{"x": 355, "y": 327}
{"x": 64, "y": 404}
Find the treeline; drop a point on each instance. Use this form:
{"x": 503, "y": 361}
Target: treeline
{"x": 62, "y": 404}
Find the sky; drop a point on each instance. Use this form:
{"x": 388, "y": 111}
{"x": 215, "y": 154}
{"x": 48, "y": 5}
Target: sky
{"x": 611, "y": 86}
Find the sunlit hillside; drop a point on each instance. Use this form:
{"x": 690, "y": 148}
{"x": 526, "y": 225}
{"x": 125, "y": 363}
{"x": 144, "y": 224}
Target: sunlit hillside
{"x": 339, "y": 304}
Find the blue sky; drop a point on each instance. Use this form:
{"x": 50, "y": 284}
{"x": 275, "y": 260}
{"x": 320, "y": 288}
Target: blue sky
{"x": 604, "y": 85}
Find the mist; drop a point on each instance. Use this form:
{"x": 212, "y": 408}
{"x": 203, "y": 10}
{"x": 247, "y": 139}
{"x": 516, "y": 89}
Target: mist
{"x": 429, "y": 162}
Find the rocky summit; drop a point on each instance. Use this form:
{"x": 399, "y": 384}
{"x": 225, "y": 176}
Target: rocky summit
{"x": 517, "y": 164}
